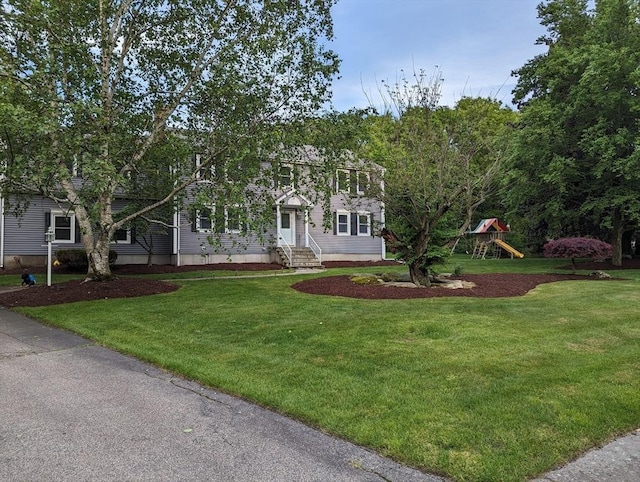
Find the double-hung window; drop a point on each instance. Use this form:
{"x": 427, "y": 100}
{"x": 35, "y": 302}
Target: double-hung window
{"x": 285, "y": 176}
{"x": 352, "y": 182}
{"x": 122, "y": 236}
{"x": 364, "y": 224}
{"x": 352, "y": 223}
{"x": 204, "y": 220}
{"x": 343, "y": 223}
{"x": 363, "y": 181}
{"x": 204, "y": 173}
{"x": 233, "y": 218}
{"x": 64, "y": 227}
{"x": 343, "y": 182}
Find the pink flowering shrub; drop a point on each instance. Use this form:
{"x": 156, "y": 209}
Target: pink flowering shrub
{"x": 578, "y": 247}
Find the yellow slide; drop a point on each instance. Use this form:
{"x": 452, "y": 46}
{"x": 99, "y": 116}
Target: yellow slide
{"x": 508, "y": 248}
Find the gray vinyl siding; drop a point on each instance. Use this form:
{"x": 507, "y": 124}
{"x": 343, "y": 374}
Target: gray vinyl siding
{"x": 25, "y": 235}
{"x": 162, "y": 239}
{"x": 193, "y": 242}
{"x": 331, "y": 243}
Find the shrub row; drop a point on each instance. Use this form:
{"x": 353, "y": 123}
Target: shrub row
{"x": 77, "y": 258}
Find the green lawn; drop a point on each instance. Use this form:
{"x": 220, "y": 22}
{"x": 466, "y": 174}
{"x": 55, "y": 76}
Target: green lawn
{"x": 495, "y": 389}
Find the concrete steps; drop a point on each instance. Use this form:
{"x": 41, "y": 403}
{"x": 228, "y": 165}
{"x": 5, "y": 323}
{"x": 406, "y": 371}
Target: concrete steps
{"x": 300, "y": 258}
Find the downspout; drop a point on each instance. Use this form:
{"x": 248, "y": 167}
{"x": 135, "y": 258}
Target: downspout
{"x": 306, "y": 228}
{"x": 176, "y": 235}
{"x": 278, "y": 225}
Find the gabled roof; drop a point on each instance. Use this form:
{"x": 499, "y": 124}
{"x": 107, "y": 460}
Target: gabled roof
{"x": 293, "y": 198}
{"x": 490, "y": 225}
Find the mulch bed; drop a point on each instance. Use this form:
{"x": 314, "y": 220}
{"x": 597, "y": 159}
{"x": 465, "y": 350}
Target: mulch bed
{"x": 487, "y": 285}
{"x": 77, "y": 290}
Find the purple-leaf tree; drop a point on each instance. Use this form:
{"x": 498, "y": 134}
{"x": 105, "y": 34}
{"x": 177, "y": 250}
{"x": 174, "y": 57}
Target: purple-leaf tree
{"x": 578, "y": 247}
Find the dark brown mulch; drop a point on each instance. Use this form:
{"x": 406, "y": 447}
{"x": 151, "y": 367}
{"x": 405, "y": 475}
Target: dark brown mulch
{"x": 132, "y": 269}
{"x": 76, "y": 290}
{"x": 487, "y": 286}
{"x": 72, "y": 291}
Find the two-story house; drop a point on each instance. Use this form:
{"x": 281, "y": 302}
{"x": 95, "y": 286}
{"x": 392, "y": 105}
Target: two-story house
{"x": 300, "y": 228}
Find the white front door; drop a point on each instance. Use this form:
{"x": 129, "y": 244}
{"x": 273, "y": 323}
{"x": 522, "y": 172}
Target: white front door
{"x": 288, "y": 227}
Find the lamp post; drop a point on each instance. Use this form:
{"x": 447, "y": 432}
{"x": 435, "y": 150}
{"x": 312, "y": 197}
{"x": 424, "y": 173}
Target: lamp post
{"x": 49, "y": 236}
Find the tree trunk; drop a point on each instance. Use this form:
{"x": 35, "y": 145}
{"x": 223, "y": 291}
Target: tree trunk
{"x": 419, "y": 276}
{"x": 149, "y": 249}
{"x": 97, "y": 244}
{"x": 616, "y": 237}
{"x": 98, "y": 256}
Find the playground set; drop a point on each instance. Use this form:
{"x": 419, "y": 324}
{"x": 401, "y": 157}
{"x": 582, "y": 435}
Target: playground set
{"x": 490, "y": 241}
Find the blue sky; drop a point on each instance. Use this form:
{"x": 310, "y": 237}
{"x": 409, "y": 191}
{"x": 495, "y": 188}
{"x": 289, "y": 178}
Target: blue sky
{"x": 474, "y": 43}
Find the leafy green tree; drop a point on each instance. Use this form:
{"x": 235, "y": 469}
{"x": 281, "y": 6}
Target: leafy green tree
{"x": 576, "y": 161}
{"x": 440, "y": 164}
{"x": 124, "y": 91}
{"x": 481, "y": 130}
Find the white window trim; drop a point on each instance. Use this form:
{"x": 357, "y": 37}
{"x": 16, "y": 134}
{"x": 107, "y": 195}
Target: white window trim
{"x": 227, "y": 229}
{"x": 348, "y": 215}
{"x": 291, "y": 184}
{"x": 126, "y": 240}
{"x": 360, "y": 187}
{"x": 199, "y": 176}
{"x": 72, "y": 228}
{"x": 368, "y": 215}
{"x": 199, "y": 228}
{"x": 343, "y": 189}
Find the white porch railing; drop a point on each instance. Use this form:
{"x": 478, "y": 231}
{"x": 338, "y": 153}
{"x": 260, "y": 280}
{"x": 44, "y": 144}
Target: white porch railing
{"x": 286, "y": 249}
{"x": 315, "y": 247}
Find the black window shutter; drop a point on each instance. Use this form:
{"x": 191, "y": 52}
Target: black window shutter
{"x": 354, "y": 224}
{"x": 218, "y": 219}
{"x": 335, "y": 222}
{"x": 78, "y": 237}
{"x": 133, "y": 235}
{"x": 371, "y": 224}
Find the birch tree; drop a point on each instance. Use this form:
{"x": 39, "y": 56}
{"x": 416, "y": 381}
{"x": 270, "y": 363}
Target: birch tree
{"x": 123, "y": 90}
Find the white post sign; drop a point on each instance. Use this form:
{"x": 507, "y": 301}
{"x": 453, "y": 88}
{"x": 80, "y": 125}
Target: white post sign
{"x": 49, "y": 236}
